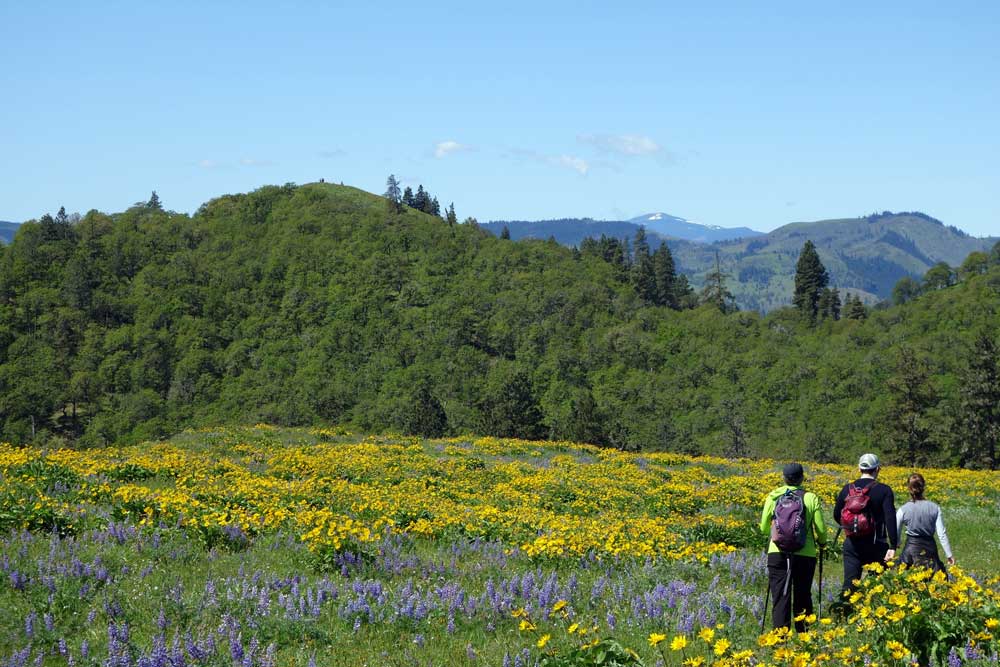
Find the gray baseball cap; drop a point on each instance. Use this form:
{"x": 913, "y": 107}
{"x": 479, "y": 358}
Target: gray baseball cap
{"x": 868, "y": 462}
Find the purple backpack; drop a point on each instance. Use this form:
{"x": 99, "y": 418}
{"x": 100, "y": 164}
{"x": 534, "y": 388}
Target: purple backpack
{"x": 788, "y": 526}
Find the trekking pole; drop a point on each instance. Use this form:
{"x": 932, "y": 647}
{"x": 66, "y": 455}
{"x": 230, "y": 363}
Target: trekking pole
{"x": 822, "y": 549}
{"x": 767, "y": 595}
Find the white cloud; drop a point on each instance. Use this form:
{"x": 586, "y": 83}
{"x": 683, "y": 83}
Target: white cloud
{"x": 209, "y": 164}
{"x": 251, "y": 162}
{"x": 445, "y": 148}
{"x": 577, "y": 164}
{"x": 622, "y": 144}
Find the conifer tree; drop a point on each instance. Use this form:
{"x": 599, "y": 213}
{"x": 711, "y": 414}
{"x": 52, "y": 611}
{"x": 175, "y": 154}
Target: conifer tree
{"x": 980, "y": 403}
{"x": 906, "y": 421}
{"x": 854, "y": 309}
{"x": 393, "y": 198}
{"x": 828, "y": 307}
{"x": 154, "y": 202}
{"x": 505, "y": 233}
{"x": 810, "y": 279}
{"x": 433, "y": 207}
{"x": 643, "y": 275}
{"x": 408, "y": 196}
{"x": 420, "y": 200}
{"x": 715, "y": 291}
{"x": 665, "y": 275}
{"x": 450, "y": 216}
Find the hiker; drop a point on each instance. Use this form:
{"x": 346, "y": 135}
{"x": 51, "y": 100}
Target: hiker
{"x": 792, "y": 517}
{"x": 922, "y": 519}
{"x": 865, "y": 510}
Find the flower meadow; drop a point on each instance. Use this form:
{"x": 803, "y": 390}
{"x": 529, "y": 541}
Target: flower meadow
{"x": 264, "y": 547}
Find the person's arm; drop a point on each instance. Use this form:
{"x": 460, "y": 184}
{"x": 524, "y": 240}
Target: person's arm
{"x": 889, "y": 514}
{"x": 766, "y": 515}
{"x": 943, "y": 537}
{"x": 819, "y": 523}
{"x": 900, "y": 519}
{"x": 838, "y": 505}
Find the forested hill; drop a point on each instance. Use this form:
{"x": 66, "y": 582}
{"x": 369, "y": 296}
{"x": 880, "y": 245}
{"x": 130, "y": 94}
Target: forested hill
{"x": 7, "y": 231}
{"x": 316, "y": 304}
{"x": 866, "y": 256}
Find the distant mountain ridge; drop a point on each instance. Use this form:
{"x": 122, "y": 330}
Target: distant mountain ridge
{"x": 571, "y": 231}
{"x": 671, "y": 226}
{"x": 864, "y": 256}
{"x": 7, "y": 231}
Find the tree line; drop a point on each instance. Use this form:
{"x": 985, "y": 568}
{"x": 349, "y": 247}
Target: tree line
{"x": 318, "y": 304}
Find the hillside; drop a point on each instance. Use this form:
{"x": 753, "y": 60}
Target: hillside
{"x": 311, "y": 305}
{"x": 7, "y": 231}
{"x": 864, "y": 256}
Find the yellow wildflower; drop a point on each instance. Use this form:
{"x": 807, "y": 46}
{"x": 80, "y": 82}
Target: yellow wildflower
{"x": 655, "y": 638}
{"x": 678, "y": 643}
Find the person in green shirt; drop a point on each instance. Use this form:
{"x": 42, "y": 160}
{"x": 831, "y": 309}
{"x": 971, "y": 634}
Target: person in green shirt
{"x": 790, "y": 573}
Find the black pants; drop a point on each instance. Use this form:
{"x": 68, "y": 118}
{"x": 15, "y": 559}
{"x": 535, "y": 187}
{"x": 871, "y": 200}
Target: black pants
{"x": 921, "y": 551}
{"x": 798, "y": 595}
{"x": 857, "y": 554}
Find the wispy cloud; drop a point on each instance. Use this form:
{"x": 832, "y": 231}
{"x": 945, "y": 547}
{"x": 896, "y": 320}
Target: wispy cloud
{"x": 209, "y": 164}
{"x": 445, "y": 148}
{"x": 333, "y": 153}
{"x": 577, "y": 164}
{"x": 622, "y": 144}
{"x": 252, "y": 162}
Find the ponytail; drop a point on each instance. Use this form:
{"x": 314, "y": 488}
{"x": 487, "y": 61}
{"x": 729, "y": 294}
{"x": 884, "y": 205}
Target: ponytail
{"x": 916, "y": 485}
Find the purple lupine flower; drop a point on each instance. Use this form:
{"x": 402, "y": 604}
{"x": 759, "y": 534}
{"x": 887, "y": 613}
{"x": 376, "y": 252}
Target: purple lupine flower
{"x": 85, "y": 649}
{"x": 954, "y": 659}
{"x": 29, "y": 625}
{"x": 506, "y": 660}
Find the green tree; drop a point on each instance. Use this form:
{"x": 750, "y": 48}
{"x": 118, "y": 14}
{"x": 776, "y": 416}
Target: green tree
{"x": 810, "y": 280}
{"x": 995, "y": 254}
{"x": 907, "y": 420}
{"x": 854, "y": 308}
{"x": 976, "y": 264}
{"x": 938, "y": 277}
{"x": 715, "y": 291}
{"x": 665, "y": 275}
{"x": 980, "y": 403}
{"x": 509, "y": 406}
{"x": 393, "y": 198}
{"x": 408, "y": 196}
{"x": 906, "y": 289}
{"x": 828, "y": 306}
{"x": 643, "y": 276}
{"x": 450, "y": 216}
{"x": 154, "y": 202}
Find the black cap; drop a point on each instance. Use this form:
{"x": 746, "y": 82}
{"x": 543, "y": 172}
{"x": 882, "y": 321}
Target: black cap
{"x": 793, "y": 472}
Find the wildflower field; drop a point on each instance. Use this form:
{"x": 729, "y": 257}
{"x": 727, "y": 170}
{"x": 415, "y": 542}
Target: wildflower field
{"x": 263, "y": 546}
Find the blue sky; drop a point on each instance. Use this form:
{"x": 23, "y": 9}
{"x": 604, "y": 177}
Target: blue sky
{"x": 723, "y": 113}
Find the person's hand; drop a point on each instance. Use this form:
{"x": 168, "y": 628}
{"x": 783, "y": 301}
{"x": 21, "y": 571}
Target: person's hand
{"x": 951, "y": 560}
{"x": 889, "y": 555}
